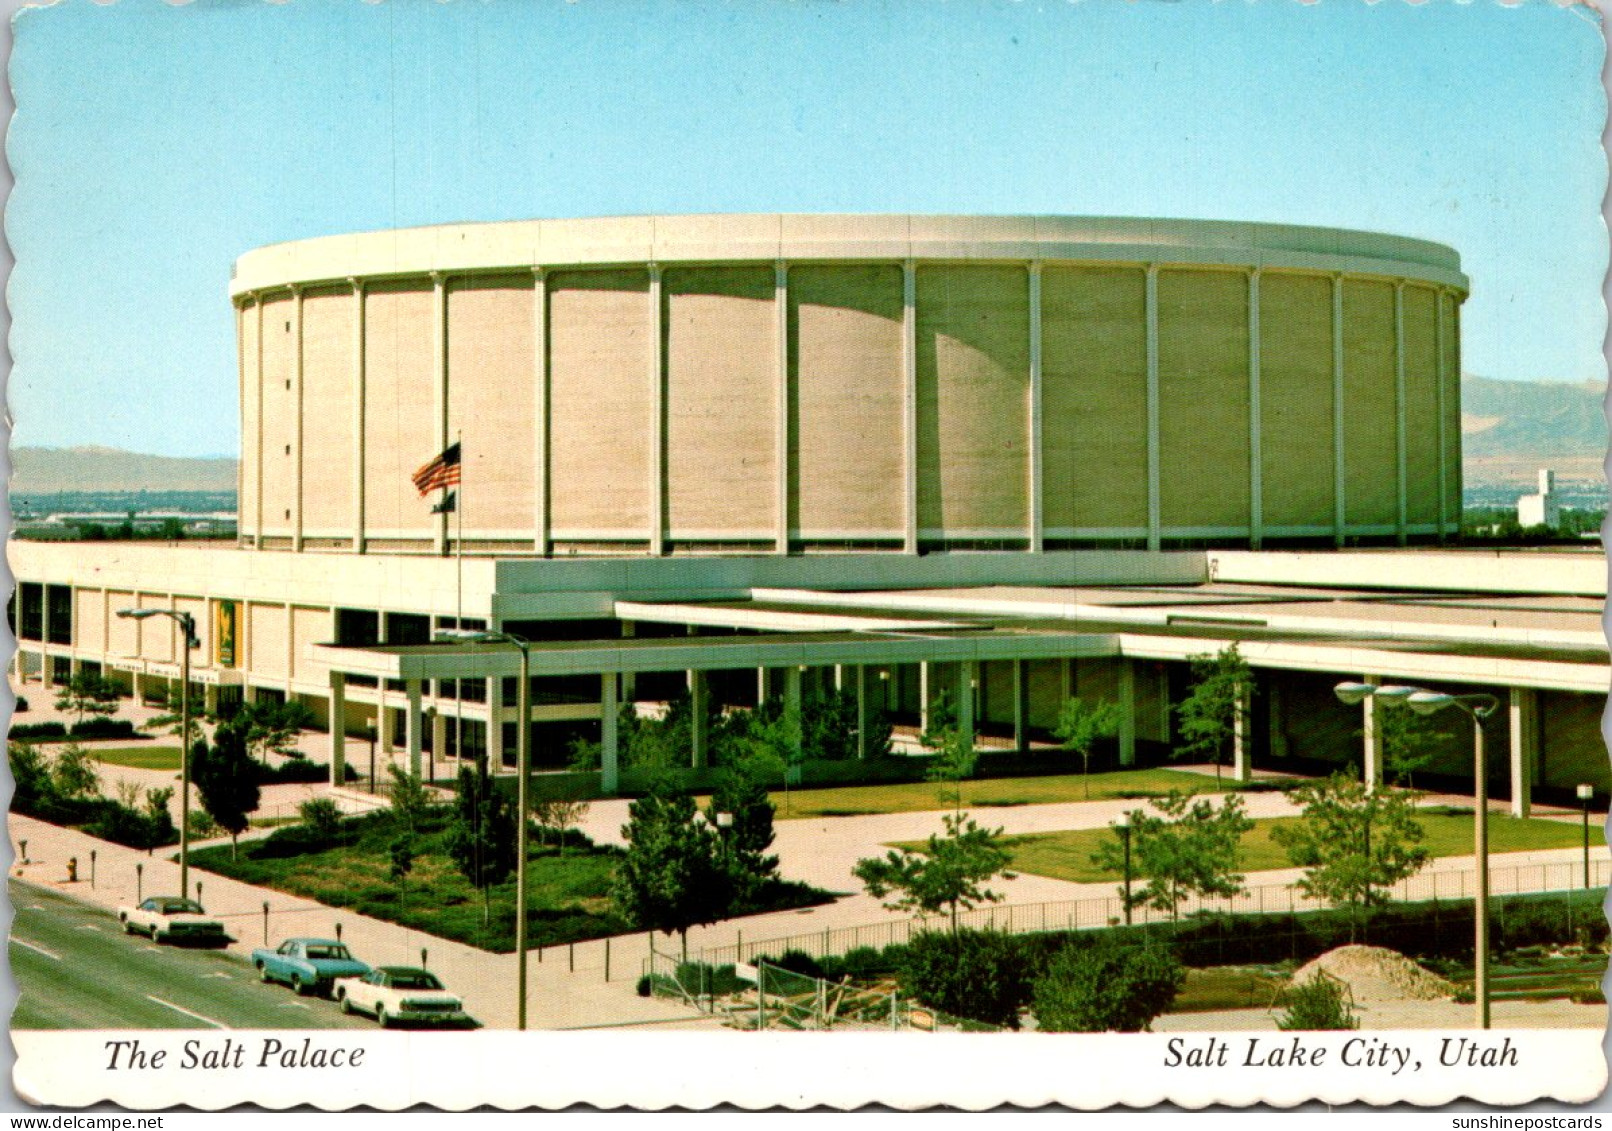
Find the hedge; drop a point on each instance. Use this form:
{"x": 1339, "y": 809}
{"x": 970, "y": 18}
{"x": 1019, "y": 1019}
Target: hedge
{"x": 39, "y": 730}
{"x": 104, "y": 728}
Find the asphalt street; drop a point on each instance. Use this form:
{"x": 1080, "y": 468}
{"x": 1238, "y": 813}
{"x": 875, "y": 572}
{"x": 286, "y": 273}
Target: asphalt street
{"x": 76, "y": 969}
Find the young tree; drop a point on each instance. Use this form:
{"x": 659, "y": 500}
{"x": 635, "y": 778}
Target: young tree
{"x": 1080, "y": 726}
{"x": 671, "y": 877}
{"x": 557, "y": 813}
{"x": 948, "y": 876}
{"x": 401, "y": 856}
{"x": 172, "y": 716}
{"x": 1410, "y": 742}
{"x": 743, "y": 796}
{"x": 273, "y": 728}
{"x": 482, "y": 839}
{"x": 73, "y": 773}
{"x": 87, "y": 694}
{"x": 770, "y": 748}
{"x": 225, "y": 776}
{"x": 1104, "y": 987}
{"x": 1354, "y": 843}
{"x": 409, "y": 798}
{"x": 32, "y": 784}
{"x": 1211, "y": 713}
{"x": 954, "y": 762}
{"x": 1189, "y": 849}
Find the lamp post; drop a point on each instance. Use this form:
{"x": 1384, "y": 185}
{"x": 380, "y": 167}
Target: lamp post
{"x": 187, "y": 625}
{"x": 523, "y": 767}
{"x": 1123, "y": 824}
{"x": 372, "y": 757}
{"x": 1585, "y": 792}
{"x": 1477, "y": 707}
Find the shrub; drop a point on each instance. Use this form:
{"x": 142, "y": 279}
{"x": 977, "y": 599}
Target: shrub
{"x": 861, "y": 963}
{"x": 978, "y": 975}
{"x": 322, "y": 818}
{"x": 798, "y": 962}
{"x": 103, "y": 728}
{"x": 297, "y": 770}
{"x": 1322, "y": 1003}
{"x": 22, "y": 705}
{"x": 202, "y": 825}
{"x": 1104, "y": 987}
{"x": 703, "y": 978}
{"x": 39, "y": 730}
{"x": 646, "y": 985}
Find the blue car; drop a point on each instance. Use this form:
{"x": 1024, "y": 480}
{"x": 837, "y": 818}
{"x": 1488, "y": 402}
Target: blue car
{"x": 308, "y": 966}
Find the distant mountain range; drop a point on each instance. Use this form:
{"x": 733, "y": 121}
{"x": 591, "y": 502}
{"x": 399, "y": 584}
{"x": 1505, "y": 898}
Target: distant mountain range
{"x": 46, "y": 471}
{"x": 1509, "y": 429}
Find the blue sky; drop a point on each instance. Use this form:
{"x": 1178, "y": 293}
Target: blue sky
{"x": 154, "y": 144}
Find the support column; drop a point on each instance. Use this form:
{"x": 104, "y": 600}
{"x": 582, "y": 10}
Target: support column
{"x": 792, "y": 704}
{"x": 699, "y": 696}
{"x": 1371, "y": 733}
{"x": 541, "y": 521}
{"x": 1443, "y": 472}
{"x": 1400, "y": 438}
{"x": 416, "y": 720}
{"x": 1154, "y": 520}
{"x": 923, "y": 696}
{"x": 209, "y": 698}
{"x": 610, "y": 753}
{"x": 781, "y": 433}
{"x": 257, "y": 490}
{"x": 1242, "y": 752}
{"x": 629, "y": 680}
{"x": 439, "y": 383}
{"x": 385, "y": 726}
{"x": 965, "y": 700}
{"x": 864, "y": 713}
{"x": 1127, "y": 712}
{"x": 439, "y": 736}
{"x": 909, "y": 402}
{"x": 1037, "y": 448}
{"x": 337, "y": 728}
{"x": 1524, "y": 718}
{"x": 359, "y": 409}
{"x": 1339, "y": 513}
{"x": 657, "y": 435}
{"x": 495, "y": 721}
{"x": 297, "y": 384}
{"x": 1021, "y": 708}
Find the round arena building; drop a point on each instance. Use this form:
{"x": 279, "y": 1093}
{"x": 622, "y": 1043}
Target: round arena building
{"x": 819, "y": 383}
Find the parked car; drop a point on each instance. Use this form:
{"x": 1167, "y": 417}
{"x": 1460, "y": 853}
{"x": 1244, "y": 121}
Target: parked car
{"x": 172, "y": 918}
{"x": 308, "y": 966}
{"x": 400, "y": 993}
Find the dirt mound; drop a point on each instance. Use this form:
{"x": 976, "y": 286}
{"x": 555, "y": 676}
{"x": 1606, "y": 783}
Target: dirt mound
{"x": 1374, "y": 973}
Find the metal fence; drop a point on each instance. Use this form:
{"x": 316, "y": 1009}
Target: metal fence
{"x": 1068, "y": 915}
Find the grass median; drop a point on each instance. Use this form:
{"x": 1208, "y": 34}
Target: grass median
{"x": 1068, "y": 855}
{"x": 137, "y": 757}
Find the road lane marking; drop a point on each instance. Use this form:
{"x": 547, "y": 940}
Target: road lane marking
{"x": 37, "y": 949}
{"x": 186, "y": 1012}
{"x": 295, "y": 1005}
{"x": 216, "y": 974}
{"x": 87, "y": 927}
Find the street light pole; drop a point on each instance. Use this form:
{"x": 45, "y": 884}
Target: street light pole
{"x": 1477, "y": 707}
{"x": 523, "y": 767}
{"x": 1123, "y": 824}
{"x": 1585, "y": 792}
{"x": 187, "y": 625}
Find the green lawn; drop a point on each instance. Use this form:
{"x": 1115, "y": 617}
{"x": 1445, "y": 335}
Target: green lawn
{"x": 147, "y": 757}
{"x": 916, "y": 797}
{"x": 1068, "y": 855}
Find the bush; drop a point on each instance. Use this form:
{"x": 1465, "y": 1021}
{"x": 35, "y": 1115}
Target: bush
{"x": 104, "y": 728}
{"x": 39, "y": 730}
{"x": 703, "y": 978}
{"x": 1322, "y": 1003}
{"x": 298, "y": 770}
{"x": 202, "y": 825}
{"x": 798, "y": 962}
{"x": 22, "y": 705}
{"x": 977, "y": 975}
{"x": 646, "y": 985}
{"x": 322, "y": 818}
{"x": 1104, "y": 987}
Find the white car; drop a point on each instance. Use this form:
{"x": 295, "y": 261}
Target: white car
{"x": 171, "y": 918}
{"x": 400, "y": 993}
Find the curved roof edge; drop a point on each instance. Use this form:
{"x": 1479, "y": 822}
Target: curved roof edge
{"x": 527, "y": 244}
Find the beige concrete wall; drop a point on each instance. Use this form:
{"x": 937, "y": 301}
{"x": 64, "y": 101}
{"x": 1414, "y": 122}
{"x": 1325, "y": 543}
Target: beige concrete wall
{"x": 327, "y": 411}
{"x": 157, "y": 634}
{"x": 89, "y": 618}
{"x": 279, "y": 415}
{"x": 492, "y": 399}
{"x": 721, "y": 403}
{"x": 1370, "y": 443}
{"x": 266, "y": 640}
{"x": 1045, "y": 678}
{"x": 200, "y": 611}
{"x": 1094, "y": 397}
{"x": 601, "y": 402}
{"x": 400, "y": 405}
{"x": 1203, "y": 399}
{"x": 250, "y": 391}
{"x": 1295, "y": 375}
{"x": 308, "y": 626}
{"x": 1421, "y": 406}
{"x": 123, "y": 636}
{"x": 845, "y": 393}
{"x": 973, "y": 401}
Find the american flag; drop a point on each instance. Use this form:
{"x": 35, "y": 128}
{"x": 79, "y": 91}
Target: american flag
{"x": 440, "y": 472}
